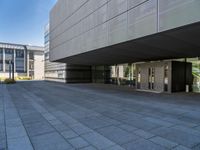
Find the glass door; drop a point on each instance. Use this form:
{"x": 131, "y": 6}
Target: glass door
{"x": 151, "y": 78}
{"x": 196, "y": 73}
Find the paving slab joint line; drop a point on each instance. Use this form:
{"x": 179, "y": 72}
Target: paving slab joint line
{"x": 48, "y": 121}
{"x": 22, "y": 123}
{"x": 197, "y": 145}
{"x": 3, "y": 87}
{"x": 80, "y": 123}
{"x": 72, "y": 128}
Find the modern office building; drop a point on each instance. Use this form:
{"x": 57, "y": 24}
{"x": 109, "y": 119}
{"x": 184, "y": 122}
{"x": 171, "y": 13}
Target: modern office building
{"x": 53, "y": 71}
{"x": 28, "y": 60}
{"x": 137, "y": 42}
{"x": 62, "y": 72}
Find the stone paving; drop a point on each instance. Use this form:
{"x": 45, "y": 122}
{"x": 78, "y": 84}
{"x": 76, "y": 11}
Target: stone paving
{"x": 55, "y": 116}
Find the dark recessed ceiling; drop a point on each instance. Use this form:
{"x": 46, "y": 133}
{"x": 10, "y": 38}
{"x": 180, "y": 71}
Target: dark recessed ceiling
{"x": 177, "y": 43}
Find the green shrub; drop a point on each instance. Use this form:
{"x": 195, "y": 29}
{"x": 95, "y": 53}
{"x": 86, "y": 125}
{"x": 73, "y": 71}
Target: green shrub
{"x": 9, "y": 81}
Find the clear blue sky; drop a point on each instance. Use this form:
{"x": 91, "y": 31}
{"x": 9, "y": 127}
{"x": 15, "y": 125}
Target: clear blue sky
{"x": 23, "y": 21}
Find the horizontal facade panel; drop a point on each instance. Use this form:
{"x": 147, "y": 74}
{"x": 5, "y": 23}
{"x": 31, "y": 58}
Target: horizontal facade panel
{"x": 116, "y": 7}
{"x": 117, "y": 29}
{"x": 142, "y": 20}
{"x": 135, "y": 3}
{"x": 177, "y": 13}
{"x": 78, "y": 26}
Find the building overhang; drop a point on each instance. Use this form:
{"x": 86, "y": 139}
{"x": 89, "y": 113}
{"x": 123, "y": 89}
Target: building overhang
{"x": 176, "y": 43}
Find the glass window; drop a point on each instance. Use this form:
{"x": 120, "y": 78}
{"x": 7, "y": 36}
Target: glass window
{"x": 46, "y": 39}
{"x": 20, "y": 64}
{"x": 31, "y": 55}
{"x": 19, "y": 53}
{"x": 31, "y": 65}
{"x": 1, "y": 59}
{"x": 196, "y": 73}
{"x": 60, "y": 74}
{"x": 9, "y": 55}
{"x": 46, "y": 55}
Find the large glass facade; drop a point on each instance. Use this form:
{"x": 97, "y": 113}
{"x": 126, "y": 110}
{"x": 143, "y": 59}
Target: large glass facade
{"x": 19, "y": 61}
{"x": 9, "y": 56}
{"x": 1, "y": 59}
{"x": 124, "y": 74}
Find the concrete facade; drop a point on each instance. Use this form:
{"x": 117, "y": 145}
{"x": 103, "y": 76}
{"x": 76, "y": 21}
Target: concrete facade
{"x": 95, "y": 32}
{"x": 110, "y": 33}
{"x": 28, "y": 60}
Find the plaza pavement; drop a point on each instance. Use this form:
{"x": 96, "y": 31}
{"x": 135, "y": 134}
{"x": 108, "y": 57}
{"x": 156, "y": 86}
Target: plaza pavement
{"x": 55, "y": 116}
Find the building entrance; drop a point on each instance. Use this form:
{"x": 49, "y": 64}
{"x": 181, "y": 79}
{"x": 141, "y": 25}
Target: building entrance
{"x": 151, "y": 73}
{"x": 196, "y": 73}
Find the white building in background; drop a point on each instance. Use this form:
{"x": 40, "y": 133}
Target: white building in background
{"x": 53, "y": 71}
{"x": 28, "y": 60}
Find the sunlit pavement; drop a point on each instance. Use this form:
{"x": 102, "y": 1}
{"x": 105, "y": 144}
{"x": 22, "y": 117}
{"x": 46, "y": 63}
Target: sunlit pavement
{"x": 55, "y": 116}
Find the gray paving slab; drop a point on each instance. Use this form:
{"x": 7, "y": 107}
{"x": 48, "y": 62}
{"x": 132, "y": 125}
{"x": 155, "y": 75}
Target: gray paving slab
{"x": 127, "y": 127}
{"x": 95, "y": 123}
{"x": 48, "y": 116}
{"x": 21, "y": 143}
{"x": 116, "y": 147}
{"x": 55, "y": 122}
{"x": 69, "y": 134}
{"x": 180, "y": 147}
{"x": 88, "y": 148}
{"x": 78, "y": 142}
{"x": 50, "y": 141}
{"x": 97, "y": 140}
{"x": 117, "y": 135}
{"x": 61, "y": 127}
{"x": 3, "y": 144}
{"x": 144, "y": 134}
{"x": 15, "y": 132}
{"x": 159, "y": 121}
{"x": 142, "y": 124}
{"x": 39, "y": 128}
{"x": 163, "y": 142}
{"x": 14, "y": 122}
{"x": 80, "y": 128}
{"x": 178, "y": 136}
{"x": 143, "y": 145}
{"x": 197, "y": 128}
{"x": 32, "y": 118}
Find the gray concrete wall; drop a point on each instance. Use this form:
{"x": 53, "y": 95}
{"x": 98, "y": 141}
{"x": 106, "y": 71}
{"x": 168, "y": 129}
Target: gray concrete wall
{"x": 78, "y": 26}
